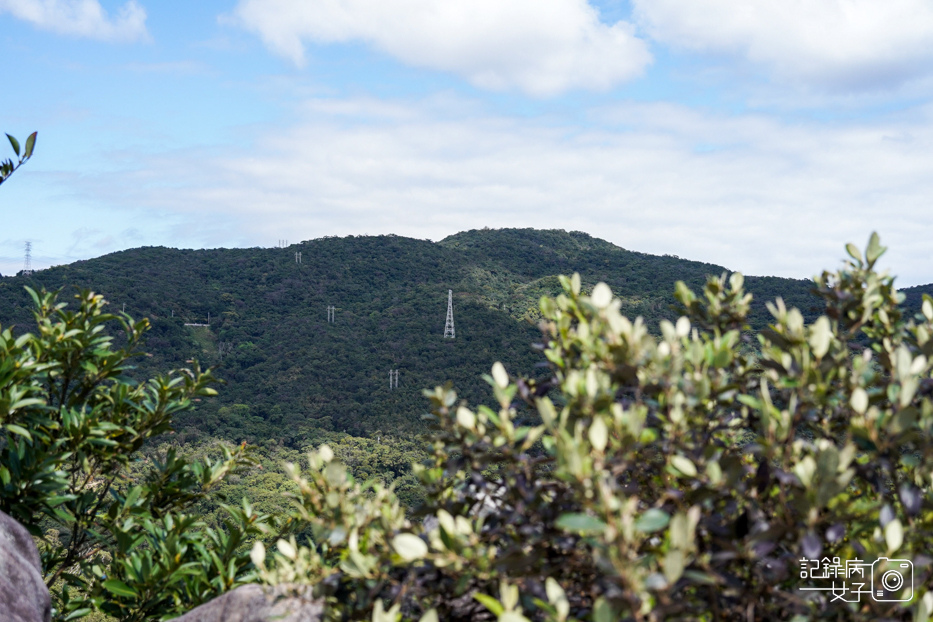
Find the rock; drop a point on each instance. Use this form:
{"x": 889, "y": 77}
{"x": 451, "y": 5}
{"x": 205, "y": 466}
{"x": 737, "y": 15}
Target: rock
{"x": 23, "y": 595}
{"x": 255, "y": 603}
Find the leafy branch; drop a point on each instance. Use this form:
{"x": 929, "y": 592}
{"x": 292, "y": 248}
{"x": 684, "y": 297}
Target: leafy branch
{"x": 8, "y": 166}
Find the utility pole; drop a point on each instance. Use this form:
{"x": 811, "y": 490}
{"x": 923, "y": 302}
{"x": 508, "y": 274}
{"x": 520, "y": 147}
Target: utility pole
{"x": 449, "y": 325}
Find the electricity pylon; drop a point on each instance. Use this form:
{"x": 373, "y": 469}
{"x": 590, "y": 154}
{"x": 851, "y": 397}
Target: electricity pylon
{"x": 449, "y": 325}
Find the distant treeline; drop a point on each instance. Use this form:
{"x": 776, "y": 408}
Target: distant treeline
{"x": 292, "y": 376}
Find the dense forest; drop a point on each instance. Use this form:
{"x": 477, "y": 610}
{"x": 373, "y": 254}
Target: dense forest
{"x": 290, "y": 375}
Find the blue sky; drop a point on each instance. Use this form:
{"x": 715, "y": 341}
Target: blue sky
{"x": 758, "y": 135}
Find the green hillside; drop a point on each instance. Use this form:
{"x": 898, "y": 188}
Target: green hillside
{"x": 290, "y": 375}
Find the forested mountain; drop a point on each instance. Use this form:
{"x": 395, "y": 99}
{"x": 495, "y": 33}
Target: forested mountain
{"x": 291, "y": 375}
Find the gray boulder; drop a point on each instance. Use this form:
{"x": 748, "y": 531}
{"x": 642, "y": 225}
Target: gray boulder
{"x": 255, "y": 603}
{"x": 23, "y": 595}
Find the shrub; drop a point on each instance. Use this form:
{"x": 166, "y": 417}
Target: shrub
{"x": 116, "y": 537}
{"x": 674, "y": 477}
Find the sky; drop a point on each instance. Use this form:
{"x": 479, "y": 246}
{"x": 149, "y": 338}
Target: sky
{"x": 760, "y": 135}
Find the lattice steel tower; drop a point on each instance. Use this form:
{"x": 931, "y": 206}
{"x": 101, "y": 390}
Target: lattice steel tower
{"x": 27, "y": 264}
{"x": 449, "y": 326}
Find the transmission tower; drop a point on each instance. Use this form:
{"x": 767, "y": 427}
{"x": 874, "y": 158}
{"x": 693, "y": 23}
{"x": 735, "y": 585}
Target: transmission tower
{"x": 27, "y": 264}
{"x": 449, "y": 325}
{"x": 298, "y": 257}
{"x": 331, "y": 314}
{"x": 393, "y": 379}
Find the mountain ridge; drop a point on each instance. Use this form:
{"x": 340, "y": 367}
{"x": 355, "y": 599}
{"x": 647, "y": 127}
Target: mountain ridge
{"x": 290, "y": 374}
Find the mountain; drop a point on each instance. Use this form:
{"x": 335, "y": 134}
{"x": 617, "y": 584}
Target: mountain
{"x": 290, "y": 374}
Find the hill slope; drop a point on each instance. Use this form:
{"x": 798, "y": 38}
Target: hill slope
{"x": 290, "y": 374}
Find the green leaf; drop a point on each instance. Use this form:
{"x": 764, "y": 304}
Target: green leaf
{"x": 429, "y": 616}
{"x": 547, "y": 411}
{"x": 736, "y": 281}
{"x": 358, "y": 565}
{"x": 859, "y": 400}
{"x": 581, "y": 523}
{"x": 557, "y": 597}
{"x": 30, "y": 143}
{"x": 684, "y": 465}
{"x": 874, "y": 250}
{"x": 409, "y": 546}
{"x": 12, "y": 427}
{"x": 700, "y": 577}
{"x": 925, "y": 608}
{"x": 575, "y": 283}
{"x": 56, "y": 500}
{"x": 286, "y": 548}
{"x": 15, "y": 144}
{"x": 894, "y": 535}
{"x": 490, "y": 603}
{"x": 499, "y": 375}
{"x": 854, "y": 252}
{"x": 652, "y": 520}
{"x": 601, "y": 296}
{"x": 602, "y": 611}
{"x": 381, "y": 615}
{"x": 821, "y": 337}
{"x": 598, "y": 434}
{"x": 133, "y": 496}
{"x": 466, "y": 418}
{"x": 674, "y": 562}
{"x": 119, "y": 588}
{"x": 648, "y": 436}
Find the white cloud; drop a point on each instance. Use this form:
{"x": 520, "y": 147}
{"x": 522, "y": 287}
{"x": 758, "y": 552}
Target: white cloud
{"x": 842, "y": 44}
{"x": 541, "y": 47}
{"x": 749, "y": 192}
{"x": 83, "y": 18}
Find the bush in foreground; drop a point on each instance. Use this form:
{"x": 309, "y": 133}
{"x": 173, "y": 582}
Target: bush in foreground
{"x": 671, "y": 478}
{"x": 116, "y": 537}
